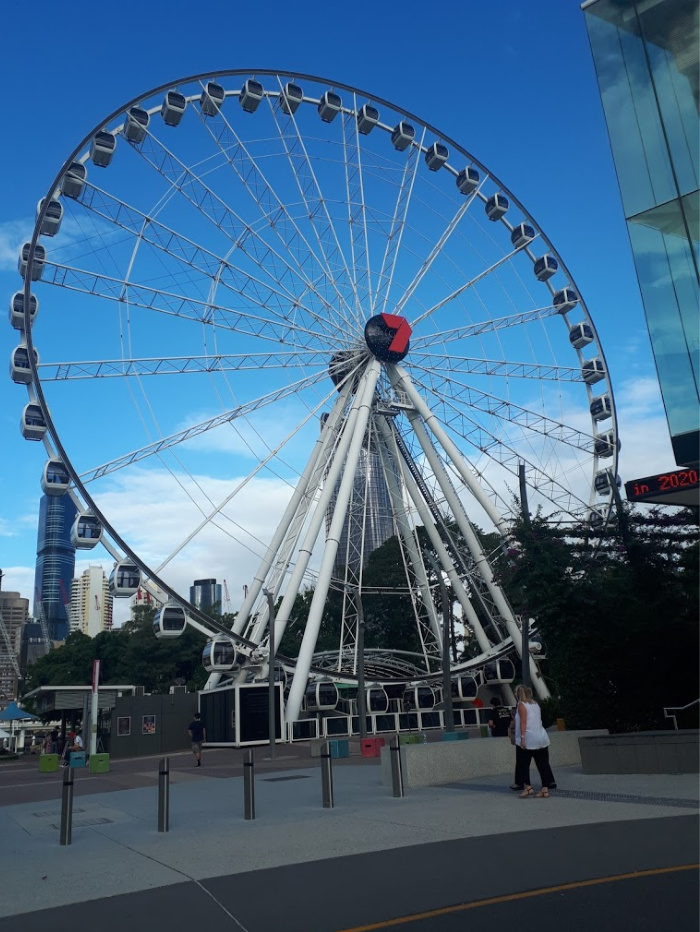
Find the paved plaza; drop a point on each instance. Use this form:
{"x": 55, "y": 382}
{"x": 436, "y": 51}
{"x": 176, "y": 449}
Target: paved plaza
{"x": 364, "y": 864}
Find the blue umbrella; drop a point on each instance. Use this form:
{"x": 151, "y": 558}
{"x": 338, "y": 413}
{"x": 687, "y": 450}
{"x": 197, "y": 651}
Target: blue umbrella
{"x": 13, "y": 713}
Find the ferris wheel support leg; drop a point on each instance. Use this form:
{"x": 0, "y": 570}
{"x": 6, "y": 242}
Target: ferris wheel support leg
{"x": 307, "y": 545}
{"x": 363, "y": 404}
{"x": 464, "y": 524}
{"x": 445, "y": 560}
{"x": 390, "y": 458}
{"x": 401, "y": 381}
{"x": 296, "y": 500}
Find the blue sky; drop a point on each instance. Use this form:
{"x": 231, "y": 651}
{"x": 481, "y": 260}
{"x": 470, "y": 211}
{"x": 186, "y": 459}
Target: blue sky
{"x": 513, "y": 82}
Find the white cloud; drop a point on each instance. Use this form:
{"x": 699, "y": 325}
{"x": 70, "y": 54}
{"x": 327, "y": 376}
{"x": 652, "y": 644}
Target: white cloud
{"x": 19, "y": 579}
{"x": 13, "y": 233}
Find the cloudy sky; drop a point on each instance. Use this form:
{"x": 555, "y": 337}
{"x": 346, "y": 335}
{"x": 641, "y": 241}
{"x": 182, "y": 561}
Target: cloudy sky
{"x": 512, "y": 82}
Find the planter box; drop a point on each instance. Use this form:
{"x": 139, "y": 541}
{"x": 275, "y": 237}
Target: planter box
{"x": 48, "y": 763}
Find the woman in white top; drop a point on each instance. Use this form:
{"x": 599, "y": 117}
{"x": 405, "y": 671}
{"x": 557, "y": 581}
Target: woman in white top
{"x": 534, "y": 740}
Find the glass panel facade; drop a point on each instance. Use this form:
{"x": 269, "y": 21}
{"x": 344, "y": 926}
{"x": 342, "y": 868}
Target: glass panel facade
{"x": 55, "y": 563}
{"x": 646, "y": 59}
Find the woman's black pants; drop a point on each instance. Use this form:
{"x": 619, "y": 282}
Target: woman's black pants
{"x": 523, "y": 757}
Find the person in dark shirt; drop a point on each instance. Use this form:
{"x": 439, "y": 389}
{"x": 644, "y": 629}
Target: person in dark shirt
{"x": 499, "y": 719}
{"x": 198, "y": 734}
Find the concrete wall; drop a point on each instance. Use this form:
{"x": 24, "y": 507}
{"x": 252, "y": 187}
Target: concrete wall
{"x": 641, "y": 752}
{"x": 452, "y": 761}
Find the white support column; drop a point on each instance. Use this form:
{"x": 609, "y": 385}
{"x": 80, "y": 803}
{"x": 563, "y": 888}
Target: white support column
{"x": 401, "y": 382}
{"x": 364, "y": 398}
{"x": 299, "y": 497}
{"x": 388, "y": 450}
{"x": 483, "y": 565}
{"x": 444, "y": 558}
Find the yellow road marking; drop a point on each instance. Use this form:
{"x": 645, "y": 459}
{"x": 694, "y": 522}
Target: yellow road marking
{"x": 512, "y": 897}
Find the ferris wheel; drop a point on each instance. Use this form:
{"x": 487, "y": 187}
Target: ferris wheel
{"x": 288, "y": 321}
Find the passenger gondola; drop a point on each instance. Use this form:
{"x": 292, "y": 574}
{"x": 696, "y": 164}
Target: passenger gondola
{"x": 17, "y": 310}
{"x": 593, "y": 370}
{"x": 55, "y": 479}
{"x": 102, "y": 148}
{"x": 20, "y": 370}
{"x": 580, "y": 335}
{"x": 418, "y": 698}
{"x": 51, "y": 223}
{"x": 322, "y": 696}
{"x": 290, "y": 98}
{"x": 329, "y": 106}
{"x": 601, "y": 407}
{"x": 377, "y": 700}
{"x": 212, "y": 98}
{"x": 251, "y": 95}
{"x": 402, "y": 136}
{"x": 32, "y": 422}
{"x": 86, "y": 532}
{"x": 367, "y": 119}
{"x": 545, "y": 267}
{"x": 37, "y": 269}
{"x": 603, "y": 483}
{"x": 73, "y": 181}
{"x": 464, "y": 687}
{"x": 436, "y": 156}
{"x": 173, "y": 108}
{"x": 522, "y": 235}
{"x": 136, "y": 124}
{"x": 170, "y": 621}
{"x": 496, "y": 206}
{"x": 605, "y": 445}
{"x": 220, "y": 655}
{"x": 467, "y": 180}
{"x": 124, "y": 580}
{"x": 565, "y": 300}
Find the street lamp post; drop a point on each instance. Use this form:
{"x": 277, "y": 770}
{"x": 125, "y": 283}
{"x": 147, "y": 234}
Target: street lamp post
{"x": 446, "y": 679}
{"x": 271, "y": 716}
{"x": 525, "y": 623}
{"x": 361, "y": 694}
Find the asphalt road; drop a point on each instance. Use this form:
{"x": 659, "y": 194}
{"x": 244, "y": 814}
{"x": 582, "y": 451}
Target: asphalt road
{"x": 634, "y": 875}
{"x": 21, "y": 782}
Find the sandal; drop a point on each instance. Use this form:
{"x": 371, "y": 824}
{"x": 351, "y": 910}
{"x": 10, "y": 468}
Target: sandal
{"x": 543, "y": 793}
{"x": 528, "y": 791}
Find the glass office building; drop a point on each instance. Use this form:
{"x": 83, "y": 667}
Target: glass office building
{"x": 206, "y": 594}
{"x": 646, "y": 60}
{"x": 55, "y": 563}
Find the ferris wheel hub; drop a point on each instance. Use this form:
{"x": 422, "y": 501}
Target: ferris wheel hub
{"x": 387, "y": 337}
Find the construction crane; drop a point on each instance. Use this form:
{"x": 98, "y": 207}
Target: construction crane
{"x": 227, "y": 599}
{"x": 45, "y": 633}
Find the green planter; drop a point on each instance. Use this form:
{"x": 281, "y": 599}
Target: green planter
{"x": 99, "y": 763}
{"x": 48, "y": 763}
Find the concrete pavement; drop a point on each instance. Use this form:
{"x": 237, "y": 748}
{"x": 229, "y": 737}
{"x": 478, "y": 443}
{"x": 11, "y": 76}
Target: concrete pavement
{"x": 594, "y": 826}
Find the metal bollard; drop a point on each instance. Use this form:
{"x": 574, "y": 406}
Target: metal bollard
{"x": 396, "y": 767}
{"x": 67, "y": 807}
{"x": 326, "y": 776}
{"x": 248, "y": 785}
{"x": 164, "y": 795}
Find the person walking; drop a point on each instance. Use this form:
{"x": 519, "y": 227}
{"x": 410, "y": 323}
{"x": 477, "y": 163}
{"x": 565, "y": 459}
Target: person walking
{"x": 499, "y": 719}
{"x": 198, "y": 734}
{"x": 534, "y": 741}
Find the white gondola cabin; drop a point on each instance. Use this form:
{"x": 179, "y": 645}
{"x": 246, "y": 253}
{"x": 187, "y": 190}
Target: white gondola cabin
{"x": 464, "y": 687}
{"x": 596, "y": 518}
{"x": 17, "y": 310}
{"x": 522, "y": 235}
{"x": 605, "y": 444}
{"x": 402, "y": 136}
{"x": 86, "y": 532}
{"x": 251, "y": 95}
{"x": 329, "y": 106}
{"x": 74, "y": 179}
{"x": 32, "y": 422}
{"x": 601, "y": 407}
{"x": 55, "y": 479}
{"x": 136, "y": 124}
{"x": 322, "y": 697}
{"x": 496, "y": 207}
{"x": 468, "y": 180}
{"x": 102, "y": 148}
{"x": 499, "y": 671}
{"x": 124, "y": 580}
{"x": 377, "y": 700}
{"x": 545, "y": 267}
{"x": 436, "y": 156}
{"x": 170, "y": 621}
{"x": 20, "y": 370}
{"x": 51, "y": 223}
{"x": 580, "y": 335}
{"x": 212, "y": 98}
{"x": 37, "y": 269}
{"x": 220, "y": 655}
{"x": 173, "y": 107}
{"x": 593, "y": 370}
{"x": 418, "y": 698}
{"x": 290, "y": 98}
{"x": 603, "y": 483}
{"x": 565, "y": 300}
{"x": 367, "y": 119}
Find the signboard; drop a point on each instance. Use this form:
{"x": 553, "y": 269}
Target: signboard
{"x": 652, "y": 488}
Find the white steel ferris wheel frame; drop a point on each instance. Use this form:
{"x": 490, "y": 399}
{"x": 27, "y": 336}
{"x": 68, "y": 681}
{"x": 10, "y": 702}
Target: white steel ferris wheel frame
{"x": 359, "y": 409}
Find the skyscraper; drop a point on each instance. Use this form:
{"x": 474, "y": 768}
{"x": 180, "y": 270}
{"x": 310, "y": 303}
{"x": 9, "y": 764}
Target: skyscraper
{"x": 55, "y": 563}
{"x": 205, "y": 594}
{"x": 14, "y": 610}
{"x": 91, "y": 603}
{"x": 646, "y": 60}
